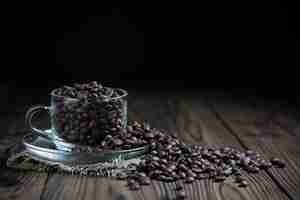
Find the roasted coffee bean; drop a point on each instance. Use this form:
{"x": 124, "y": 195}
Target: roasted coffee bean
{"x": 243, "y": 184}
{"x": 277, "y": 162}
{"x": 189, "y": 179}
{"x": 163, "y": 178}
{"x": 130, "y": 181}
{"x": 149, "y": 135}
{"x": 163, "y": 161}
{"x": 141, "y": 174}
{"x": 182, "y": 175}
{"x": 172, "y": 167}
{"x": 201, "y": 176}
{"x": 145, "y": 181}
{"x": 190, "y": 173}
{"x": 265, "y": 165}
{"x": 182, "y": 167}
{"x": 239, "y": 179}
{"x": 245, "y": 160}
{"x": 179, "y": 187}
{"x": 220, "y": 178}
{"x": 252, "y": 169}
{"x": 118, "y": 142}
{"x": 163, "y": 154}
{"x": 180, "y": 195}
{"x": 134, "y": 186}
{"x": 121, "y": 176}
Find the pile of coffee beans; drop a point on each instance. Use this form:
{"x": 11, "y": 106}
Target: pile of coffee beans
{"x": 135, "y": 135}
{"x": 171, "y": 160}
{"x": 87, "y": 91}
{"x": 86, "y": 113}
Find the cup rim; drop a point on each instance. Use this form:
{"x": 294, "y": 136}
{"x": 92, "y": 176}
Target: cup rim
{"x": 124, "y": 94}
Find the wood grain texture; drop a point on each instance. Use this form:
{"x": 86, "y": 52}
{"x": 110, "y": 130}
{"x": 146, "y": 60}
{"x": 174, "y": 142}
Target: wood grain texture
{"x": 79, "y": 187}
{"x": 21, "y": 185}
{"x": 192, "y": 121}
{"x": 16, "y": 184}
{"x": 191, "y": 118}
{"x": 253, "y": 124}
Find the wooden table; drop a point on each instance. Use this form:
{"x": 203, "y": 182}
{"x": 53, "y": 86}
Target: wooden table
{"x": 210, "y": 119}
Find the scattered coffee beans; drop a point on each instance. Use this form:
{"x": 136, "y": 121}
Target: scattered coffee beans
{"x": 171, "y": 160}
{"x": 86, "y": 113}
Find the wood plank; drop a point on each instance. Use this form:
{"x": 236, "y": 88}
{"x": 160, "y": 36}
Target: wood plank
{"x": 81, "y": 187}
{"x": 16, "y": 184}
{"x": 254, "y": 126}
{"x": 285, "y": 115}
{"x": 192, "y": 121}
{"x": 21, "y": 185}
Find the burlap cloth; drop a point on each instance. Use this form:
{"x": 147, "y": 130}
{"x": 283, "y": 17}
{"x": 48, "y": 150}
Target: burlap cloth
{"x": 20, "y": 158}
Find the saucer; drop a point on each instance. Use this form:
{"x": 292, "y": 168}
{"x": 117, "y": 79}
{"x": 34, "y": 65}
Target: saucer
{"x": 73, "y": 155}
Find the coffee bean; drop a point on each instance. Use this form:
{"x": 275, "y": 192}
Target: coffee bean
{"x": 201, "y": 176}
{"x": 172, "y": 167}
{"x": 190, "y": 173}
{"x": 277, "y": 162}
{"x": 163, "y": 178}
{"x": 182, "y": 175}
{"x": 118, "y": 142}
{"x": 180, "y": 195}
{"x": 163, "y": 161}
{"x": 189, "y": 180}
{"x": 121, "y": 176}
{"x": 239, "y": 179}
{"x": 163, "y": 154}
{"x": 145, "y": 181}
{"x": 182, "y": 167}
{"x": 243, "y": 184}
{"x": 220, "y": 178}
{"x": 149, "y": 135}
{"x": 134, "y": 186}
{"x": 179, "y": 187}
{"x": 253, "y": 169}
{"x": 130, "y": 181}
{"x": 265, "y": 165}
{"x": 141, "y": 174}
{"x": 155, "y": 158}
{"x": 245, "y": 160}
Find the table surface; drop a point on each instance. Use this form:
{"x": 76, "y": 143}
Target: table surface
{"x": 203, "y": 118}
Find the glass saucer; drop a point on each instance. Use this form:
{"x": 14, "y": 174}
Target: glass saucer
{"x": 75, "y": 154}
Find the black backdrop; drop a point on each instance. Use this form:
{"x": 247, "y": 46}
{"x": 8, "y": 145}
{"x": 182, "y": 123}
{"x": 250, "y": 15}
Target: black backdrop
{"x": 232, "y": 47}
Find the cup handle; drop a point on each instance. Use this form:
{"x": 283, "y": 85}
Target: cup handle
{"x": 31, "y": 112}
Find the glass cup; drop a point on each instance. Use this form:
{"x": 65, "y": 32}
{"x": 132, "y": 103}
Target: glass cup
{"x": 82, "y": 121}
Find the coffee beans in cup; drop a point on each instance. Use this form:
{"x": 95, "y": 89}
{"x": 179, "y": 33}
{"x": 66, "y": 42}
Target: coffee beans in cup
{"x": 86, "y": 113}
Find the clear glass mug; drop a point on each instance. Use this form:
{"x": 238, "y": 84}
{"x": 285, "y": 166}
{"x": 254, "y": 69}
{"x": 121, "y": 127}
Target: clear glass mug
{"x": 79, "y": 121}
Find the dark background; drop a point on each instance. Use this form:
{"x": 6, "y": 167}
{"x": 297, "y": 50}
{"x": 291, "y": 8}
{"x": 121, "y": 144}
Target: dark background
{"x": 244, "y": 49}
